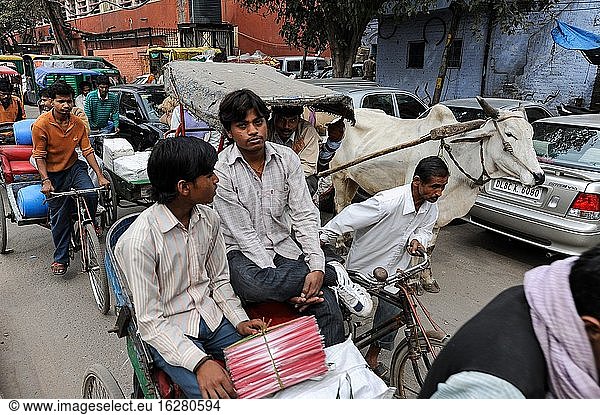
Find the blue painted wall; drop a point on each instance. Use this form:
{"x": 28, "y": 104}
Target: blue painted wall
{"x": 524, "y": 65}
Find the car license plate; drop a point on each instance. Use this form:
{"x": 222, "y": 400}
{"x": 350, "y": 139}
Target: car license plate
{"x": 518, "y": 189}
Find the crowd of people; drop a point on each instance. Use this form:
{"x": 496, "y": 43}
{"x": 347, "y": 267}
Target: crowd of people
{"x": 237, "y": 227}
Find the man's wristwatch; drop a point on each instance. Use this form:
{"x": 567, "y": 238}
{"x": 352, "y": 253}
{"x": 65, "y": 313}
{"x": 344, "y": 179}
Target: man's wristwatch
{"x": 202, "y": 361}
{"x": 47, "y": 178}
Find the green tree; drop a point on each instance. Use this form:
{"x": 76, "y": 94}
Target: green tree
{"x": 18, "y": 19}
{"x": 314, "y": 24}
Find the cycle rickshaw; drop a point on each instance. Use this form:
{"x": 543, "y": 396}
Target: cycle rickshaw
{"x": 200, "y": 88}
{"x": 20, "y": 194}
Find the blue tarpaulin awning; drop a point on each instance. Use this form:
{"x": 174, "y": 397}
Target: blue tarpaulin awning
{"x": 574, "y": 38}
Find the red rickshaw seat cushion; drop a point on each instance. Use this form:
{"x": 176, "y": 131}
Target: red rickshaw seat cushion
{"x": 15, "y": 161}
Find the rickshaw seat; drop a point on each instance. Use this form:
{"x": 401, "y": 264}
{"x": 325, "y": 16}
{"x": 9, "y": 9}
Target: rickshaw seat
{"x": 15, "y": 163}
{"x": 272, "y": 311}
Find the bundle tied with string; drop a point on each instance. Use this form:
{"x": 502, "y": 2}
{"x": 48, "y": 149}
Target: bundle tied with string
{"x": 279, "y": 357}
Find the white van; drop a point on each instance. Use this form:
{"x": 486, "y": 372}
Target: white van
{"x": 291, "y": 65}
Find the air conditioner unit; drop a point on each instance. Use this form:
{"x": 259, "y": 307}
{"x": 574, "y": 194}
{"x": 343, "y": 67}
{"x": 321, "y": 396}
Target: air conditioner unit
{"x": 205, "y": 11}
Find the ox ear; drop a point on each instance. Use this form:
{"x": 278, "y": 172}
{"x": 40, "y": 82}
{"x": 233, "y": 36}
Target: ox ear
{"x": 473, "y": 138}
{"x": 488, "y": 110}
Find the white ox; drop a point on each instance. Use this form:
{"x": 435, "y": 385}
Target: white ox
{"x": 503, "y": 146}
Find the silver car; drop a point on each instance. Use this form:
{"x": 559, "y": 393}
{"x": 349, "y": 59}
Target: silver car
{"x": 366, "y": 94}
{"x": 467, "y": 109}
{"x": 563, "y": 214}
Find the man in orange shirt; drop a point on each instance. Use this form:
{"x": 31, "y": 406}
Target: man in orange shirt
{"x": 12, "y": 108}
{"x": 55, "y": 135}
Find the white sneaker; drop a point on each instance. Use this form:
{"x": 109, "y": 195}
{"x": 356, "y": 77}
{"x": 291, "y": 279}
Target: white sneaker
{"x": 355, "y": 297}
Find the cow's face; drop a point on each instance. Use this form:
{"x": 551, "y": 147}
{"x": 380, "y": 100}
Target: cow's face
{"x": 511, "y": 147}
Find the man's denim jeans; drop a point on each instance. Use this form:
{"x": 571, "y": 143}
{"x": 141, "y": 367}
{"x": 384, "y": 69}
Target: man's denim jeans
{"x": 211, "y": 342}
{"x": 110, "y": 128}
{"x": 61, "y": 209}
{"x": 254, "y": 284}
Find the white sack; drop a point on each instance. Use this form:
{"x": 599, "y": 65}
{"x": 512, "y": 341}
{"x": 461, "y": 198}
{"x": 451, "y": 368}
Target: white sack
{"x": 348, "y": 377}
{"x": 114, "y": 148}
{"x": 132, "y": 168}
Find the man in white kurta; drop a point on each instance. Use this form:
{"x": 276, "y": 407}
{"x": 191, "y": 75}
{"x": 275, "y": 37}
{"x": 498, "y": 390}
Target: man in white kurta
{"x": 388, "y": 228}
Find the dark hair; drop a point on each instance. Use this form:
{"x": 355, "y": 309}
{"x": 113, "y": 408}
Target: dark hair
{"x": 431, "y": 166}
{"x": 102, "y": 80}
{"x": 288, "y": 111}
{"x": 174, "y": 159}
{"x": 83, "y": 84}
{"x": 236, "y": 104}
{"x": 44, "y": 93}
{"x": 60, "y": 88}
{"x": 584, "y": 280}
{"x": 6, "y": 85}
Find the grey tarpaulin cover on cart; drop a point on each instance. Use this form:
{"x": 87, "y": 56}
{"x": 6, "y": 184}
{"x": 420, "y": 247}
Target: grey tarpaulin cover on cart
{"x": 201, "y": 86}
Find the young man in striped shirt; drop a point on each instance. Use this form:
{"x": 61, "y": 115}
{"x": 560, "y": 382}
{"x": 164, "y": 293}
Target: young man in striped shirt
{"x": 102, "y": 107}
{"x": 173, "y": 256}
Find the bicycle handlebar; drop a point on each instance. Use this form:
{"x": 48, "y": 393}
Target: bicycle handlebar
{"x": 75, "y": 192}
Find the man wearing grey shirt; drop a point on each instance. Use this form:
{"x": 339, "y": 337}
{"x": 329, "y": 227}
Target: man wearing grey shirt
{"x": 263, "y": 200}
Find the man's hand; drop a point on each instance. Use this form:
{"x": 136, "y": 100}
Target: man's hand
{"x": 47, "y": 188}
{"x": 103, "y": 181}
{"x": 117, "y": 130}
{"x": 249, "y": 327}
{"x": 214, "y": 381}
{"x": 312, "y": 283}
{"x": 414, "y": 246}
{"x": 302, "y": 303}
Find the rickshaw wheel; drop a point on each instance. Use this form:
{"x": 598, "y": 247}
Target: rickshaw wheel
{"x": 109, "y": 201}
{"x": 3, "y": 225}
{"x": 99, "y": 383}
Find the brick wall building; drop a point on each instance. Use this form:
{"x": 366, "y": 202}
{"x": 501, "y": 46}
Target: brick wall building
{"x": 524, "y": 65}
{"x": 121, "y": 30}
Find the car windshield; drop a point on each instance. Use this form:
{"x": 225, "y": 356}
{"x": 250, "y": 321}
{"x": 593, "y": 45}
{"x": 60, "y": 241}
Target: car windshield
{"x": 463, "y": 114}
{"x": 567, "y": 145}
{"x": 151, "y": 101}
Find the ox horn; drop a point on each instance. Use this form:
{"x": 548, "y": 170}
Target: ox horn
{"x": 488, "y": 110}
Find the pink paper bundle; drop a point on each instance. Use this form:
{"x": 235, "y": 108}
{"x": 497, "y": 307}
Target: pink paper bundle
{"x": 284, "y": 355}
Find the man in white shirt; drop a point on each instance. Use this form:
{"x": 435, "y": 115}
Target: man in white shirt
{"x": 388, "y": 228}
{"x": 85, "y": 87}
{"x": 173, "y": 257}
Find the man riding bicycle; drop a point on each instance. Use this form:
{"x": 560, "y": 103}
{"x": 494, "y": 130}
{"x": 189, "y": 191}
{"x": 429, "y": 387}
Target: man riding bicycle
{"x": 388, "y": 228}
{"x": 55, "y": 135}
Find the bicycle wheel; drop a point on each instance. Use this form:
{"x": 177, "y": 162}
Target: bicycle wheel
{"x": 3, "y": 225}
{"x": 408, "y": 375}
{"x": 94, "y": 266}
{"x": 99, "y": 383}
{"x": 110, "y": 201}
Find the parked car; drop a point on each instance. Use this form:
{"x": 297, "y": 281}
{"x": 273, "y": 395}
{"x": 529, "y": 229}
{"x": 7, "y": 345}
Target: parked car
{"x": 139, "y": 114}
{"x": 563, "y": 214}
{"x": 367, "y": 94}
{"x": 467, "y": 109}
{"x": 357, "y": 71}
{"x": 291, "y": 65}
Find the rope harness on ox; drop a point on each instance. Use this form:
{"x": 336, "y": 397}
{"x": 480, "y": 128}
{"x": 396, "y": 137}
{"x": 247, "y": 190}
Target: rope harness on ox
{"x": 484, "y": 177}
